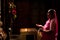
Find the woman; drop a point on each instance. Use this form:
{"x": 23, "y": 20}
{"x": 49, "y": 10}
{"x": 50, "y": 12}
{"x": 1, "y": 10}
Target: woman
{"x": 50, "y": 29}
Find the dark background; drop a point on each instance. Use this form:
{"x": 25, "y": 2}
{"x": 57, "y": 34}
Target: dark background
{"x": 29, "y": 13}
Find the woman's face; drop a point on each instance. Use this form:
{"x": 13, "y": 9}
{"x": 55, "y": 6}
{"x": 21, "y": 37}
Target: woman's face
{"x": 48, "y": 15}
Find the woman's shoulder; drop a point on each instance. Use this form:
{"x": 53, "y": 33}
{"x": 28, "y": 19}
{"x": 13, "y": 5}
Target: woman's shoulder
{"x": 48, "y": 21}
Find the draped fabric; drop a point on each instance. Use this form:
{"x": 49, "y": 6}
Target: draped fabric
{"x": 56, "y": 20}
{"x": 53, "y": 26}
{"x": 48, "y": 35}
{"x": 47, "y": 24}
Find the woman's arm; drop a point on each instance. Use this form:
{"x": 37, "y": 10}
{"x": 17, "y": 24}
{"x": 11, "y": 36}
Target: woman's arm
{"x": 39, "y": 25}
{"x": 52, "y": 26}
{"x": 42, "y": 29}
{"x": 46, "y": 30}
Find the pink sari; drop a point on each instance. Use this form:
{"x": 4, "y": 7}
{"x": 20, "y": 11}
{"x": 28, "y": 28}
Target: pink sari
{"x": 52, "y": 34}
{"x": 56, "y": 20}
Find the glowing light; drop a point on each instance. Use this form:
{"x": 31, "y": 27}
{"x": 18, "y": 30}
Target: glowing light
{"x": 26, "y": 29}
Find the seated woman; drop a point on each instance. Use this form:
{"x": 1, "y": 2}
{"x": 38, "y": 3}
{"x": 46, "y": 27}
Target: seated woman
{"x": 50, "y": 29}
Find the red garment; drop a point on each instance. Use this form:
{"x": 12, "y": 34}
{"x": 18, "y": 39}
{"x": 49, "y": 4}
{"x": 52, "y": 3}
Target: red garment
{"x": 48, "y": 35}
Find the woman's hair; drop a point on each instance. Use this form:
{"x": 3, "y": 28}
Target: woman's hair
{"x": 51, "y": 12}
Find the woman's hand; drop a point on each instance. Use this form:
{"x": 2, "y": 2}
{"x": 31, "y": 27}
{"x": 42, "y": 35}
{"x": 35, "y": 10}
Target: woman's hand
{"x": 39, "y": 25}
